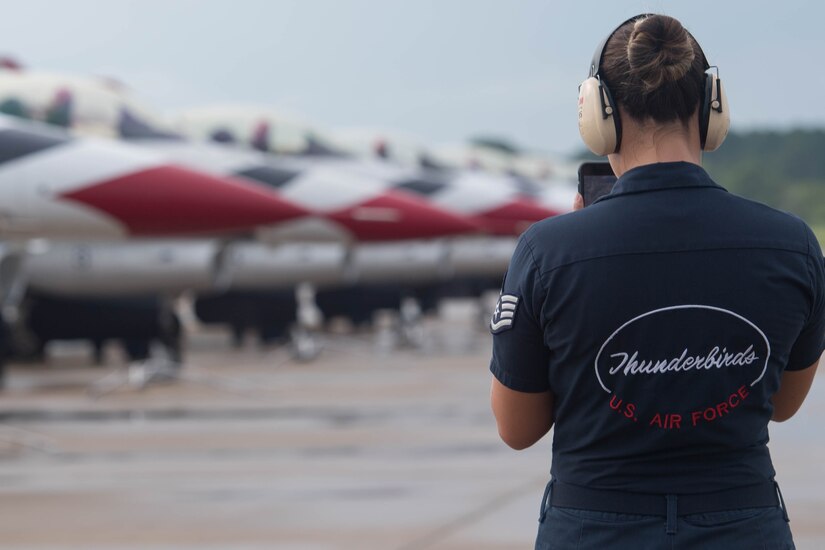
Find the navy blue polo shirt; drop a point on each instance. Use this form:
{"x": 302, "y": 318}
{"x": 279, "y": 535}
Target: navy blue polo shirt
{"x": 662, "y": 318}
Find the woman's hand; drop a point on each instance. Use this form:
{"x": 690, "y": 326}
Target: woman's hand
{"x": 578, "y": 202}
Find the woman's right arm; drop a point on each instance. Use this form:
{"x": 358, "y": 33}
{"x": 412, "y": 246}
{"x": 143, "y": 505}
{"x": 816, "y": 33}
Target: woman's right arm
{"x": 522, "y": 418}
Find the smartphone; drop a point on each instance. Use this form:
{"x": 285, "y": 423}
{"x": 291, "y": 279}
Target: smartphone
{"x": 596, "y": 179}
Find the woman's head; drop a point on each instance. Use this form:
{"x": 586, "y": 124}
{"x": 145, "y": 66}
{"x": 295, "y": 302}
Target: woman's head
{"x": 654, "y": 70}
{"x": 649, "y": 88}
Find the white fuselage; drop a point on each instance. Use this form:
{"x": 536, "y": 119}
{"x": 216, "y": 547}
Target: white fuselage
{"x": 173, "y": 266}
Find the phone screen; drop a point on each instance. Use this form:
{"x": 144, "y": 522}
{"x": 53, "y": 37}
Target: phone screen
{"x": 596, "y": 179}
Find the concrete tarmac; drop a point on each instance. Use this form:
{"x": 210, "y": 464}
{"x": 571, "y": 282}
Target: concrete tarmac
{"x": 365, "y": 448}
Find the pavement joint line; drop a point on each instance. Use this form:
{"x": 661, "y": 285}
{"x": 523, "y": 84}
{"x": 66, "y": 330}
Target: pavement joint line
{"x": 232, "y": 385}
{"x": 439, "y": 534}
{"x": 29, "y": 439}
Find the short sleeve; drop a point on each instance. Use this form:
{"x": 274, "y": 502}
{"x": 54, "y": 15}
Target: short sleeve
{"x": 811, "y": 340}
{"x": 520, "y": 357}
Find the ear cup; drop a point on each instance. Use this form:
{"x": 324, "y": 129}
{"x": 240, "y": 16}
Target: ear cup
{"x": 599, "y": 123}
{"x": 714, "y": 120}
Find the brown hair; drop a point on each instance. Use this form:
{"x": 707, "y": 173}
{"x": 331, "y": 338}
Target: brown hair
{"x": 654, "y": 69}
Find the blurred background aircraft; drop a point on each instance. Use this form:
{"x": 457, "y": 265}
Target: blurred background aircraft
{"x": 284, "y": 277}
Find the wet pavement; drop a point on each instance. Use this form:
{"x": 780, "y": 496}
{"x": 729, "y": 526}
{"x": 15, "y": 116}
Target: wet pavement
{"x": 365, "y": 448}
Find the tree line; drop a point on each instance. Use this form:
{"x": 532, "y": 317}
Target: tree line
{"x": 785, "y": 169}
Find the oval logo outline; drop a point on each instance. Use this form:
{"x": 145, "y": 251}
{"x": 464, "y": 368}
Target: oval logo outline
{"x": 685, "y": 306}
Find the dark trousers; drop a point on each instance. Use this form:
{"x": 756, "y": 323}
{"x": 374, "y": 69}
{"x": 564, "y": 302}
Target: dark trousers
{"x": 763, "y": 528}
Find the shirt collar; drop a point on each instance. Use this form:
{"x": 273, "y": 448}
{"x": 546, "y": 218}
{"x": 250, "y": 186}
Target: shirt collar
{"x": 661, "y": 176}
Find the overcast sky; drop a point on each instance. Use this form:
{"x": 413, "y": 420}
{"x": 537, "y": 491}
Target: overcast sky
{"x": 439, "y": 69}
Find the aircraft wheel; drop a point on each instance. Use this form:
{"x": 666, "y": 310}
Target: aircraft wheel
{"x": 98, "y": 350}
{"x": 137, "y": 349}
{"x": 238, "y": 334}
{"x": 171, "y": 337}
{"x": 5, "y": 348}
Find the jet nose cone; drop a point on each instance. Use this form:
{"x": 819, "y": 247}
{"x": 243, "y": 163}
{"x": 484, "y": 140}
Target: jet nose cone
{"x": 170, "y": 200}
{"x": 396, "y": 216}
{"x": 513, "y": 217}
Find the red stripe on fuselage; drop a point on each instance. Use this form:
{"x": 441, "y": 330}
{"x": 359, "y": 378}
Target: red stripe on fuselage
{"x": 513, "y": 217}
{"x": 396, "y": 216}
{"x": 170, "y": 200}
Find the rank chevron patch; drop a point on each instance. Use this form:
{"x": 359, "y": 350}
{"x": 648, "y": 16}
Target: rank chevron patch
{"x": 505, "y": 313}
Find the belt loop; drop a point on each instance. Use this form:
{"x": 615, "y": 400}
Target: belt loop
{"x": 670, "y": 526}
{"x": 546, "y": 500}
{"x": 782, "y": 503}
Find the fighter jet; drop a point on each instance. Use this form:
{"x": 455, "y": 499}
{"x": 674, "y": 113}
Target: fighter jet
{"x": 540, "y": 177}
{"x": 263, "y": 129}
{"x": 348, "y": 208}
{"x": 53, "y": 185}
{"x": 489, "y": 199}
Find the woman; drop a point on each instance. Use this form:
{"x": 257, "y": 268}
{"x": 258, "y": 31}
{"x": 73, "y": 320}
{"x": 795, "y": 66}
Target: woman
{"x": 661, "y": 328}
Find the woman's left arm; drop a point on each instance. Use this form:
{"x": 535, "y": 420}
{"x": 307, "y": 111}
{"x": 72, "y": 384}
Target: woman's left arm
{"x": 522, "y": 418}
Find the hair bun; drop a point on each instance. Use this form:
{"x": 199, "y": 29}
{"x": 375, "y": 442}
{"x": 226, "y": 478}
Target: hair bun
{"x": 659, "y": 50}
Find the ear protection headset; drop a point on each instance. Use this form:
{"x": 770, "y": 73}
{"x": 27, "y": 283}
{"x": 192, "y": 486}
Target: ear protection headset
{"x": 601, "y": 127}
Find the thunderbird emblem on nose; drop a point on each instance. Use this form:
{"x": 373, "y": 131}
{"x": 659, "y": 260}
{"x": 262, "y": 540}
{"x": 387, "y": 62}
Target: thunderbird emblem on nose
{"x": 504, "y": 314}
